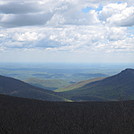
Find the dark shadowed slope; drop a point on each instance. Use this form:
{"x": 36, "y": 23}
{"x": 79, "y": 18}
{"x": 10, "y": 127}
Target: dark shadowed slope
{"x": 120, "y": 86}
{"x": 25, "y": 116}
{"x": 14, "y": 87}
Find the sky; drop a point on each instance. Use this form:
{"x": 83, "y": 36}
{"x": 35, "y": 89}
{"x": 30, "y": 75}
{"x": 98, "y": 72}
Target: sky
{"x": 89, "y": 31}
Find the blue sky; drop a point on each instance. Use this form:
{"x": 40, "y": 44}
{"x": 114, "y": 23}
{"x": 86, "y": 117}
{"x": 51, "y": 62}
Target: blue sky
{"x": 88, "y": 9}
{"x": 67, "y": 31}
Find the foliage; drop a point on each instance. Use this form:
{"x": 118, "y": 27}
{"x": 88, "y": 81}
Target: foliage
{"x": 14, "y": 87}
{"x": 50, "y": 84}
{"x": 77, "y": 85}
{"x": 24, "y": 116}
{"x": 110, "y": 88}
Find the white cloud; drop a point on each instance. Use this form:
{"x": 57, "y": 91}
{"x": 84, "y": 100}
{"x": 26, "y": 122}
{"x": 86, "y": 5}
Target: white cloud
{"x": 2, "y": 35}
{"x": 65, "y": 12}
{"x": 27, "y": 36}
{"x": 70, "y": 38}
{"x": 118, "y": 14}
{"x": 63, "y": 26}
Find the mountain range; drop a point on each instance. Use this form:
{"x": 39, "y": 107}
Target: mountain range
{"x": 15, "y": 87}
{"x": 117, "y": 87}
{"x": 113, "y": 88}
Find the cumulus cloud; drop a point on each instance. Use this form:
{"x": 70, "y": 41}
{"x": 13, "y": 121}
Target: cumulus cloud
{"x": 76, "y": 26}
{"x": 117, "y": 14}
{"x": 65, "y": 12}
{"x": 24, "y": 20}
{"x": 27, "y": 36}
{"x": 70, "y": 38}
{"x": 19, "y": 8}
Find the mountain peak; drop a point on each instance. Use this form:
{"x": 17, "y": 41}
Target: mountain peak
{"x": 110, "y": 88}
{"x": 128, "y": 70}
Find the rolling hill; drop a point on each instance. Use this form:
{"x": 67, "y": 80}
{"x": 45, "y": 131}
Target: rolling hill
{"x": 14, "y": 87}
{"x": 28, "y": 116}
{"x": 120, "y": 86}
{"x": 50, "y": 84}
{"x": 77, "y": 85}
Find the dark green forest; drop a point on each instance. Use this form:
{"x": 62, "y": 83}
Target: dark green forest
{"x": 25, "y": 116}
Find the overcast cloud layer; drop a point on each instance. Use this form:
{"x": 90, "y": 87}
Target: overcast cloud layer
{"x": 76, "y": 27}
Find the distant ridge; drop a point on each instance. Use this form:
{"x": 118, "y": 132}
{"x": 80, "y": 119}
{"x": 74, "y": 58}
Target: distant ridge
{"x": 78, "y": 85}
{"x": 113, "y": 88}
{"x": 14, "y": 87}
{"x": 119, "y": 86}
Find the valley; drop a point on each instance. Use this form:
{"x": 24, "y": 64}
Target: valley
{"x": 54, "y": 76}
{"x": 66, "y": 67}
{"x": 38, "y": 105}
{"x": 67, "y": 84}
